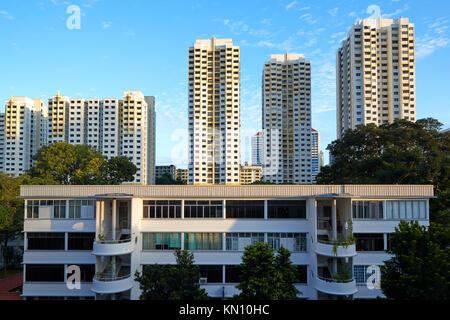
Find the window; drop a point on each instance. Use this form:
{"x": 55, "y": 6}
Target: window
{"x": 169, "y": 209}
{"x": 45, "y": 241}
{"x": 238, "y": 241}
{"x": 44, "y": 272}
{"x": 245, "y": 209}
{"x": 369, "y": 241}
{"x": 287, "y": 209}
{"x": 232, "y": 274}
{"x": 301, "y": 276}
{"x": 161, "y": 241}
{"x": 213, "y": 273}
{"x": 87, "y": 272}
{"x": 203, "y": 209}
{"x": 203, "y": 241}
{"x": 74, "y": 209}
{"x": 32, "y": 209}
{"x": 294, "y": 242}
{"x": 59, "y": 209}
{"x": 367, "y": 209}
{"x": 81, "y": 240}
{"x": 402, "y": 209}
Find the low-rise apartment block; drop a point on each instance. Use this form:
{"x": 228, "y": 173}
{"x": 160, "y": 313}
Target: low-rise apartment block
{"x": 110, "y": 232}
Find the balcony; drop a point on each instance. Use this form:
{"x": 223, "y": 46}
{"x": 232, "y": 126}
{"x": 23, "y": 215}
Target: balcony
{"x": 111, "y": 284}
{"x": 336, "y": 287}
{"x": 113, "y": 247}
{"x": 341, "y": 249}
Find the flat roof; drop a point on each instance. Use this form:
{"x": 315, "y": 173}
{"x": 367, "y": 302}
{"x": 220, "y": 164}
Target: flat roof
{"x": 226, "y": 191}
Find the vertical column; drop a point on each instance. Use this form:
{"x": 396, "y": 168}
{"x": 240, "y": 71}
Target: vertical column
{"x": 333, "y": 218}
{"x": 224, "y": 209}
{"x": 97, "y": 217}
{"x": 102, "y": 216}
{"x": 182, "y": 240}
{"x": 182, "y": 209}
{"x": 66, "y": 241}
{"x": 266, "y": 210}
{"x": 224, "y": 241}
{"x": 114, "y": 222}
{"x": 385, "y": 241}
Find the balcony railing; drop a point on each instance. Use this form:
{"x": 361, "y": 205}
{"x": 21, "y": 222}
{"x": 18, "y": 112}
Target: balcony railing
{"x": 113, "y": 241}
{"x": 109, "y": 277}
{"x": 335, "y": 280}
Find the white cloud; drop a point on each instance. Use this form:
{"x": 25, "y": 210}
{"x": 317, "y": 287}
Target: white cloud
{"x": 436, "y": 37}
{"x": 106, "y": 24}
{"x": 290, "y": 5}
{"x": 337, "y": 34}
{"x": 308, "y": 18}
{"x": 333, "y": 12}
{"x": 6, "y": 15}
{"x": 265, "y": 44}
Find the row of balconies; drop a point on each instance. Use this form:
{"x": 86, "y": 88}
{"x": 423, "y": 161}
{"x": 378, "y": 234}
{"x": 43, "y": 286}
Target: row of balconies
{"x": 110, "y": 283}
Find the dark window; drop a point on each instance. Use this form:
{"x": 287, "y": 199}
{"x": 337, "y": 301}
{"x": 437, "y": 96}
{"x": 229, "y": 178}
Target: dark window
{"x": 168, "y": 209}
{"x": 161, "y": 240}
{"x": 45, "y": 240}
{"x": 369, "y": 241}
{"x": 291, "y": 209}
{"x": 232, "y": 274}
{"x": 245, "y": 209}
{"x": 213, "y": 273}
{"x": 203, "y": 241}
{"x": 367, "y": 209}
{"x": 301, "y": 276}
{"x": 44, "y": 272}
{"x": 87, "y": 272}
{"x": 32, "y": 209}
{"x": 203, "y": 209}
{"x": 81, "y": 241}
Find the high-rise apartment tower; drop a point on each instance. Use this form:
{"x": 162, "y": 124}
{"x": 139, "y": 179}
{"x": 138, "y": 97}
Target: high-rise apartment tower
{"x": 213, "y": 112}
{"x": 286, "y": 119}
{"x": 375, "y": 74}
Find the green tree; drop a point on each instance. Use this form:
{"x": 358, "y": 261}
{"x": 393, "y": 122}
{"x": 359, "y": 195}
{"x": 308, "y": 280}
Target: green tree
{"x": 172, "y": 282}
{"x": 288, "y": 275}
{"x": 264, "y": 276}
{"x": 419, "y": 269}
{"x": 117, "y": 170}
{"x": 167, "y": 179}
{"x": 63, "y": 163}
{"x": 11, "y": 212}
{"x": 403, "y": 152}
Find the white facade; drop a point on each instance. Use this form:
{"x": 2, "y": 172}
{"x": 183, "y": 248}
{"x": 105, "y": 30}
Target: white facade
{"x": 112, "y": 231}
{"x": 375, "y": 74}
{"x": 286, "y": 116}
{"x": 316, "y": 154}
{"x": 22, "y": 133}
{"x": 114, "y": 127}
{"x": 214, "y": 112}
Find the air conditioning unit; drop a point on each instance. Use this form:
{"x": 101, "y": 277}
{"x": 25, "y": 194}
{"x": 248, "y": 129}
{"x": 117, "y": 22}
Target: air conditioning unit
{"x": 203, "y": 280}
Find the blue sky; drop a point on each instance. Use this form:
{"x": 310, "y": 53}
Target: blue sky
{"x": 143, "y": 45}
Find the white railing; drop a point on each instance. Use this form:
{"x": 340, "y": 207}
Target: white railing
{"x": 335, "y": 280}
{"x": 109, "y": 278}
